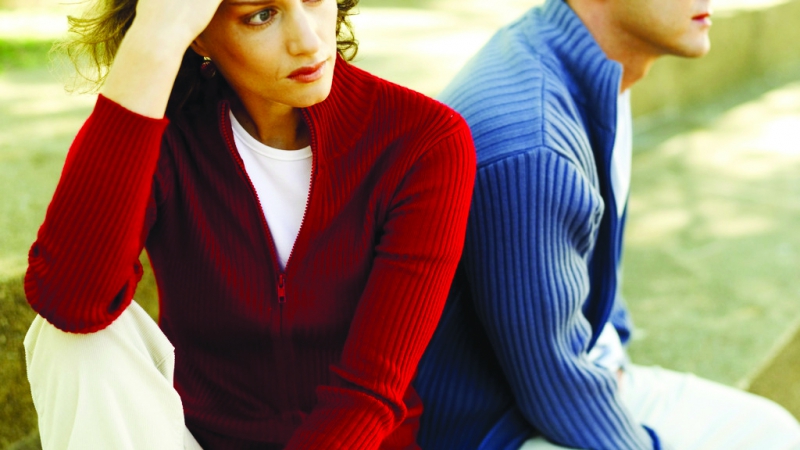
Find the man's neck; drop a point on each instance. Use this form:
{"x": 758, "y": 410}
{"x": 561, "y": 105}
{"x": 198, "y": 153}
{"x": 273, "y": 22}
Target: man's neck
{"x": 636, "y": 59}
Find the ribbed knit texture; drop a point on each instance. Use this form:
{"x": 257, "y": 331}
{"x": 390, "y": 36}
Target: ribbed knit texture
{"x": 319, "y": 356}
{"x": 538, "y": 278}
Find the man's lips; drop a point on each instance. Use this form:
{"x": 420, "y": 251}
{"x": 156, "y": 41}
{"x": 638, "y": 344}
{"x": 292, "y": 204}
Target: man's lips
{"x": 702, "y": 17}
{"x": 307, "y": 74}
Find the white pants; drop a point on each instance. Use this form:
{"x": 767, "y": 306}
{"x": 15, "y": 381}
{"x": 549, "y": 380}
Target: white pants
{"x": 106, "y": 390}
{"x": 690, "y": 413}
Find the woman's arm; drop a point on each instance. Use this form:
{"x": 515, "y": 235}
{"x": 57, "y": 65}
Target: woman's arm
{"x": 400, "y": 307}
{"x": 83, "y": 267}
{"x": 150, "y": 55}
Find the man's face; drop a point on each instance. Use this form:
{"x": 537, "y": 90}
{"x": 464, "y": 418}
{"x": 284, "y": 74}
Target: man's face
{"x": 664, "y": 27}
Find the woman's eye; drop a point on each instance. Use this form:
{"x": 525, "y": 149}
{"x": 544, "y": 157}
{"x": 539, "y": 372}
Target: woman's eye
{"x": 261, "y": 17}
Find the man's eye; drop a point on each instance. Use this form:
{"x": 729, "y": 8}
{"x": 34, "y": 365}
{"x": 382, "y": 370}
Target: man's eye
{"x": 261, "y": 17}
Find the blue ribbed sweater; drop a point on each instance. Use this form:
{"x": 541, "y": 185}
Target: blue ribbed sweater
{"x": 539, "y": 275}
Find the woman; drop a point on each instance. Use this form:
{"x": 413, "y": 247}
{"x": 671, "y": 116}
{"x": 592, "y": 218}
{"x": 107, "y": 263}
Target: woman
{"x": 303, "y": 219}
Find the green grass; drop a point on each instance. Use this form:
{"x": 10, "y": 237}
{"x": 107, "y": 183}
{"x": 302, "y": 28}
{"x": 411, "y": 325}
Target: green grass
{"x": 17, "y": 416}
{"x": 24, "y": 53}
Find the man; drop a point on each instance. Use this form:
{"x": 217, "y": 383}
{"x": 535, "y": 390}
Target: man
{"x": 529, "y": 350}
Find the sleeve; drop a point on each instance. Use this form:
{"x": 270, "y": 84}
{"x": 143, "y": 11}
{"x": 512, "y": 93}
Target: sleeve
{"x": 532, "y": 227}
{"x": 83, "y": 267}
{"x": 414, "y": 264}
{"x": 621, "y": 318}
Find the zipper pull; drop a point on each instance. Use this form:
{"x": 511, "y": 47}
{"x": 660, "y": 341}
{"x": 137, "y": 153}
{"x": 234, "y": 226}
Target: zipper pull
{"x": 281, "y": 289}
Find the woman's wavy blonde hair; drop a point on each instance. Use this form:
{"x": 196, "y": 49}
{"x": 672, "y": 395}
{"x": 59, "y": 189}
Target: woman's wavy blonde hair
{"x": 94, "y": 38}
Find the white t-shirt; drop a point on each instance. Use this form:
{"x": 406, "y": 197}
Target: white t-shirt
{"x": 607, "y": 351}
{"x": 621, "y": 156}
{"x": 282, "y": 179}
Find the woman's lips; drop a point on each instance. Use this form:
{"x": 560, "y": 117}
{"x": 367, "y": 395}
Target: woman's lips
{"x": 308, "y": 74}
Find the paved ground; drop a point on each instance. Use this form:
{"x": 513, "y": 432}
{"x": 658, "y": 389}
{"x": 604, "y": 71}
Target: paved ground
{"x": 712, "y": 244}
{"x": 712, "y": 249}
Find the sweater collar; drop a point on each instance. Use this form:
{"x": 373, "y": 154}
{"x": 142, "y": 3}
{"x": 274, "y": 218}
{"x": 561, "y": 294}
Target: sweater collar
{"x": 596, "y": 78}
{"x": 339, "y": 121}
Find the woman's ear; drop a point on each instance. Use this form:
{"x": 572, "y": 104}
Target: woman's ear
{"x": 199, "y": 47}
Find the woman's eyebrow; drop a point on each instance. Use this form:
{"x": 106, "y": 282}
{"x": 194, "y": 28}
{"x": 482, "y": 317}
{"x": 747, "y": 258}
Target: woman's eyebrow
{"x": 249, "y": 3}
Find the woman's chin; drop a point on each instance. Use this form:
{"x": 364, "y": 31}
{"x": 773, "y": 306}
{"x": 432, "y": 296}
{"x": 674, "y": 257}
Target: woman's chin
{"x": 314, "y": 95}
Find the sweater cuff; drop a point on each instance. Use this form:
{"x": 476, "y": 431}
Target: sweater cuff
{"x": 113, "y": 112}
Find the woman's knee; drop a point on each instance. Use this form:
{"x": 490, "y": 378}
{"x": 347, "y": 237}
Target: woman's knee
{"x": 132, "y": 341}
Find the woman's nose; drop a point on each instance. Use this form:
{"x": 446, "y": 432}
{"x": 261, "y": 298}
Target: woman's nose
{"x": 302, "y": 38}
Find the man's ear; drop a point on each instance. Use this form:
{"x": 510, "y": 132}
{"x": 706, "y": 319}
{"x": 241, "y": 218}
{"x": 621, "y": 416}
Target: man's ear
{"x": 199, "y": 47}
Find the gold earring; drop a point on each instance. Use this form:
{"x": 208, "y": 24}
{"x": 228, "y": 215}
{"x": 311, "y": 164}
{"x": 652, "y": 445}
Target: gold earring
{"x": 207, "y": 68}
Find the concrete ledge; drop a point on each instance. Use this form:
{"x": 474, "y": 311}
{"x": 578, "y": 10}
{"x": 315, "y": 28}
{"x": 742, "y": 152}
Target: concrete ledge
{"x": 779, "y": 379}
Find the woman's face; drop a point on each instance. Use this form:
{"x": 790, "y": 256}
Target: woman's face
{"x": 279, "y": 51}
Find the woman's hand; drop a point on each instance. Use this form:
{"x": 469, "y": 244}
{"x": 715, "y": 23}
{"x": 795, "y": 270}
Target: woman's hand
{"x": 148, "y": 59}
{"x": 175, "y": 22}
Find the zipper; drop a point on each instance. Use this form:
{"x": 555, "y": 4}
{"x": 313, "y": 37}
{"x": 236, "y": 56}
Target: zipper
{"x": 307, "y": 118}
{"x": 225, "y": 128}
{"x": 281, "y": 288}
{"x": 281, "y": 298}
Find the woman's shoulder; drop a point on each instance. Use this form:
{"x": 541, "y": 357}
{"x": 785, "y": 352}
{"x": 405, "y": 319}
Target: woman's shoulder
{"x": 401, "y": 105}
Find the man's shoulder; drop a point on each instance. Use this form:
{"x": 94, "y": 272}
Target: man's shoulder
{"x": 515, "y": 95}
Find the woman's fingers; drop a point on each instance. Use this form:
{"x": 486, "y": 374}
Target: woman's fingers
{"x": 175, "y": 21}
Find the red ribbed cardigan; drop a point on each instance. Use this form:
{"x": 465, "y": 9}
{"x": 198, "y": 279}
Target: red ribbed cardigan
{"x": 318, "y": 356}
